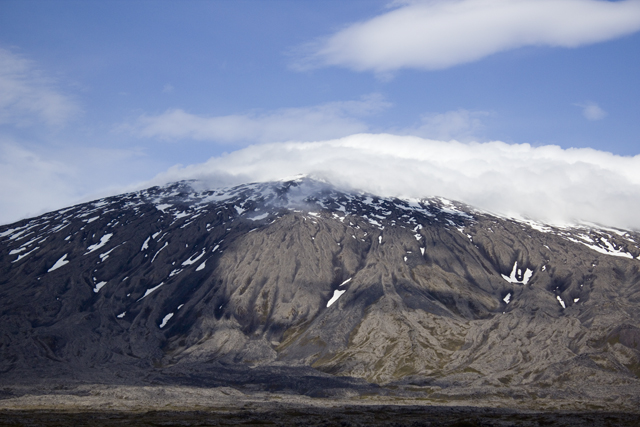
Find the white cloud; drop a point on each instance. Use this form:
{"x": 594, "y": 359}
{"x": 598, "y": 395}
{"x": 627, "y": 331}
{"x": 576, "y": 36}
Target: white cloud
{"x": 319, "y": 122}
{"x": 545, "y": 183}
{"x": 28, "y": 97}
{"x": 31, "y": 183}
{"x": 37, "y": 179}
{"x": 437, "y": 34}
{"x": 592, "y": 111}
{"x": 461, "y": 125}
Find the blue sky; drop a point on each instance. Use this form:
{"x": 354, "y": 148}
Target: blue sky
{"x": 102, "y": 96}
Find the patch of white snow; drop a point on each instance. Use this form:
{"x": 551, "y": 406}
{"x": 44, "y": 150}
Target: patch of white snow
{"x": 512, "y": 277}
{"x": 148, "y": 291}
{"x": 99, "y": 286}
{"x": 145, "y": 245}
{"x": 165, "y": 320}
{"x": 259, "y": 217}
{"x": 154, "y": 257}
{"x": 24, "y": 255}
{"x": 62, "y": 261}
{"x": 336, "y": 294}
{"x": 560, "y": 301}
{"x": 103, "y": 241}
{"x": 507, "y": 299}
{"x": 193, "y": 261}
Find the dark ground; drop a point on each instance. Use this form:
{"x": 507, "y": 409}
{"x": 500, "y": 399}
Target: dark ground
{"x": 313, "y": 416}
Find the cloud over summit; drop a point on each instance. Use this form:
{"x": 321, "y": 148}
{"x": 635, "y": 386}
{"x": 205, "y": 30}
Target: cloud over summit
{"x": 547, "y": 183}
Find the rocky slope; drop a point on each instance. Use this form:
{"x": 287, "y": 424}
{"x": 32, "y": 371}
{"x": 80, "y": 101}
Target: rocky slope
{"x": 300, "y": 280}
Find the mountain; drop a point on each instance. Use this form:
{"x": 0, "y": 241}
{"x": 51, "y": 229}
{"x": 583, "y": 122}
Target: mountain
{"x": 298, "y": 285}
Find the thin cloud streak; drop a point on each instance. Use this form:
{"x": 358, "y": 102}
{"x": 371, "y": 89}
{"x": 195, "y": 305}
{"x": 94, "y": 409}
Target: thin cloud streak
{"x": 330, "y": 120}
{"x": 460, "y": 125}
{"x": 592, "y": 111}
{"x": 439, "y": 34}
{"x": 28, "y": 97}
{"x": 548, "y": 183}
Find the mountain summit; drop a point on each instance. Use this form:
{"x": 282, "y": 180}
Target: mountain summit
{"x": 297, "y": 285}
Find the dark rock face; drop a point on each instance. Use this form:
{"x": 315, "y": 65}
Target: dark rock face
{"x": 298, "y": 274}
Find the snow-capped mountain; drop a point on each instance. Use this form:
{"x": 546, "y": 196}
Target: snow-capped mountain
{"x": 429, "y": 295}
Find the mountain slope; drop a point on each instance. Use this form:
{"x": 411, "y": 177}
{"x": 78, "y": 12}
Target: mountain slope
{"x": 425, "y": 295}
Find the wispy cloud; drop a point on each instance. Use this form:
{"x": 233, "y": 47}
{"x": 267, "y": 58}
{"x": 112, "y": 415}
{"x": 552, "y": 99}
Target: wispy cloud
{"x": 31, "y": 182}
{"x": 318, "y": 122}
{"x": 461, "y": 125}
{"x": 28, "y": 97}
{"x": 36, "y": 179}
{"x": 545, "y": 183}
{"x": 592, "y": 111}
{"x": 437, "y": 34}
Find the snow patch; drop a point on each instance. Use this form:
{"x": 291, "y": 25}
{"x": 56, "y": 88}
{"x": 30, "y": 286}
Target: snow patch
{"x": 145, "y": 245}
{"x": 336, "y": 294}
{"x": 62, "y": 261}
{"x": 201, "y": 266}
{"x": 103, "y": 241}
{"x": 507, "y": 299}
{"x": 560, "y": 301}
{"x": 518, "y": 272}
{"x": 259, "y": 217}
{"x": 99, "y": 286}
{"x": 106, "y": 254}
{"x": 154, "y": 257}
{"x": 165, "y": 320}
{"x": 610, "y": 250}
{"x": 148, "y": 291}
{"x": 345, "y": 282}
{"x": 193, "y": 261}
{"x": 24, "y": 255}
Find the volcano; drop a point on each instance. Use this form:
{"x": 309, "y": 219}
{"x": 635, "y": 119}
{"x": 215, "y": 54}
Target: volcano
{"x": 302, "y": 287}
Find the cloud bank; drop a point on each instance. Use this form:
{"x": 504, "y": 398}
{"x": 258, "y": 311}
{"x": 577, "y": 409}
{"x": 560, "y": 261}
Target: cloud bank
{"x": 437, "y": 34}
{"x": 330, "y": 120}
{"x": 547, "y": 184}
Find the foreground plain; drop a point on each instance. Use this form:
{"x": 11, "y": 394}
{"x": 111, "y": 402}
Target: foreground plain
{"x": 100, "y": 405}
